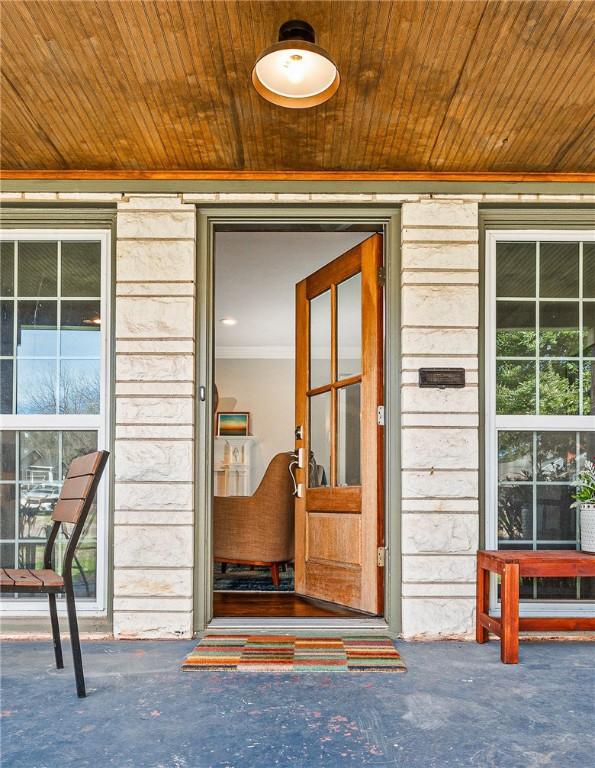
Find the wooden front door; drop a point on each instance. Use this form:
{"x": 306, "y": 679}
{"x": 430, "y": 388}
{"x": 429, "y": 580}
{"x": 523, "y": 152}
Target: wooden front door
{"x": 339, "y": 388}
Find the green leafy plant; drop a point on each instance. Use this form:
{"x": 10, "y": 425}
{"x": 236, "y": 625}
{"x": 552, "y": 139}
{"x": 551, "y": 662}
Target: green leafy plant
{"x": 585, "y": 492}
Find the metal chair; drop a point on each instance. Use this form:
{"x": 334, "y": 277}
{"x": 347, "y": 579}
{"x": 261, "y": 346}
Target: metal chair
{"x": 73, "y": 505}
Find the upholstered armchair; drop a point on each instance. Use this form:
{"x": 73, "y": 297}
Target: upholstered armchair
{"x": 258, "y": 529}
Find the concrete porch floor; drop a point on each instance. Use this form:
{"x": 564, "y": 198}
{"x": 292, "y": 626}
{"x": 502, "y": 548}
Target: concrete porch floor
{"x": 456, "y": 706}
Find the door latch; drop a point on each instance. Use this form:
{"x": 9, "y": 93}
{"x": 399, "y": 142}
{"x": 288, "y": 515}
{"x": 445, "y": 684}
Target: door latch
{"x": 299, "y": 432}
{"x": 381, "y": 558}
{"x": 380, "y": 415}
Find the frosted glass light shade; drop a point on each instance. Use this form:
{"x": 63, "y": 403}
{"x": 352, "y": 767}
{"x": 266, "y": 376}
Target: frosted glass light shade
{"x": 295, "y": 74}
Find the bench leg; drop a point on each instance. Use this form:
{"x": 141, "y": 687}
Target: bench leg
{"x": 509, "y": 642}
{"x": 55, "y": 631}
{"x": 275, "y": 574}
{"x": 482, "y": 603}
{"x": 76, "y": 645}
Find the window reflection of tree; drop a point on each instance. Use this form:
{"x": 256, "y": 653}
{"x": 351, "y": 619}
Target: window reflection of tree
{"x": 78, "y": 393}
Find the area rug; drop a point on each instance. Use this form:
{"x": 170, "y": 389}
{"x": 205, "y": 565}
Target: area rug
{"x": 293, "y": 653}
{"x": 242, "y": 578}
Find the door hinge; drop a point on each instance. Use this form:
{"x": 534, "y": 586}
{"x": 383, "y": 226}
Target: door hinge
{"x": 380, "y": 415}
{"x": 381, "y": 556}
{"x": 381, "y": 276}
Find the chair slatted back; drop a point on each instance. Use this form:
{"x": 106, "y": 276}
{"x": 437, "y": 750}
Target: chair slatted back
{"x": 78, "y": 487}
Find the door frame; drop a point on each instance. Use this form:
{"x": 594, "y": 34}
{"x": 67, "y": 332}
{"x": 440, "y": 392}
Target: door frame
{"x": 208, "y": 217}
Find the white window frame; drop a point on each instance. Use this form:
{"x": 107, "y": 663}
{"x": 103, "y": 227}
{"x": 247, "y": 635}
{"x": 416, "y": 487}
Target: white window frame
{"x": 58, "y": 422}
{"x": 495, "y": 423}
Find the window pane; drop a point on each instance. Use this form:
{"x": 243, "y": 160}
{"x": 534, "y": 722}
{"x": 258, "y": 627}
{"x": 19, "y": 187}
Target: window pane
{"x": 589, "y": 270}
{"x": 81, "y": 269}
{"x": 6, "y": 268}
{"x": 80, "y": 328}
{"x": 37, "y": 502}
{"x": 79, "y": 386}
{"x": 76, "y": 443}
{"x": 348, "y": 435}
{"x": 515, "y": 456}
{"x": 37, "y": 328}
{"x": 349, "y": 327}
{"x": 7, "y": 559}
{"x": 39, "y": 456}
{"x": 320, "y": 440}
{"x": 558, "y": 270}
{"x": 37, "y": 386}
{"x": 7, "y": 328}
{"x": 558, "y": 329}
{"x": 556, "y": 456}
{"x": 515, "y": 387}
{"x": 7, "y": 454}
{"x": 588, "y": 389}
{"x": 515, "y": 332}
{"x": 7, "y": 509}
{"x": 320, "y": 340}
{"x": 556, "y": 521}
{"x": 515, "y": 269}
{"x": 515, "y": 512}
{"x": 559, "y": 387}
{"x": 6, "y": 370}
{"x": 589, "y": 328}
{"x": 586, "y": 450}
{"x": 38, "y": 269}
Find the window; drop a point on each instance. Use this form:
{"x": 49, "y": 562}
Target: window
{"x": 53, "y": 374}
{"x": 540, "y": 356}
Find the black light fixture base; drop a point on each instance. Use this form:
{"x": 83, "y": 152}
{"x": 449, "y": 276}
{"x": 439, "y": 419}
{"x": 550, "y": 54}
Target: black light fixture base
{"x": 295, "y": 29}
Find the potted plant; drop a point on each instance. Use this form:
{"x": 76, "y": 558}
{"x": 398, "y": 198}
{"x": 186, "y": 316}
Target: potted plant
{"x": 585, "y": 499}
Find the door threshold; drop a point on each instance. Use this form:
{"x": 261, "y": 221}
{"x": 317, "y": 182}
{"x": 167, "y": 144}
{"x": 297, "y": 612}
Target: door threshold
{"x": 372, "y": 625}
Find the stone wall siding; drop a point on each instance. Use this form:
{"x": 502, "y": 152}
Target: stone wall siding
{"x": 153, "y": 537}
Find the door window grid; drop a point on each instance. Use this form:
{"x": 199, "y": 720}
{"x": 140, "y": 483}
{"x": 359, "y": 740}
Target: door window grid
{"x": 576, "y": 419}
{"x": 59, "y": 421}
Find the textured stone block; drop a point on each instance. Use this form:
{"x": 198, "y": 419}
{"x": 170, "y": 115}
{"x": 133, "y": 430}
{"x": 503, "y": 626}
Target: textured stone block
{"x": 439, "y": 533}
{"x": 164, "y": 260}
{"x": 439, "y": 341}
{"x": 156, "y": 224}
{"x": 154, "y": 517}
{"x": 439, "y": 235}
{"x": 151, "y": 624}
{"x": 91, "y": 197}
{"x": 429, "y": 400}
{"x": 153, "y": 546}
{"x": 436, "y": 277}
{"x": 154, "y": 496}
{"x": 439, "y": 448}
{"x": 155, "y": 368}
{"x": 155, "y": 388}
{"x": 153, "y": 460}
{"x": 154, "y": 410}
{"x": 439, "y": 568}
{"x": 154, "y": 431}
{"x": 438, "y": 618}
{"x": 156, "y": 289}
{"x": 165, "y": 346}
{"x": 440, "y": 505}
{"x": 440, "y": 213}
{"x": 152, "y": 603}
{"x": 149, "y": 202}
{"x": 439, "y": 484}
{"x": 440, "y": 305}
{"x": 152, "y": 317}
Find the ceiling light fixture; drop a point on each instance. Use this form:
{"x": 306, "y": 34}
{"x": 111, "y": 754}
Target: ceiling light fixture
{"x": 229, "y": 321}
{"x": 295, "y": 72}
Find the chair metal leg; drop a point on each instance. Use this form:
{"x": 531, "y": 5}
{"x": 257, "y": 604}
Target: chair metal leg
{"x": 55, "y": 631}
{"x": 76, "y": 644}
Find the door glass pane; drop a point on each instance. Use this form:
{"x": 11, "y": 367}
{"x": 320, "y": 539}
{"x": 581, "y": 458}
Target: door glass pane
{"x": 558, "y": 270}
{"x": 558, "y": 329}
{"x": 348, "y": 435}
{"x": 37, "y": 386}
{"x": 515, "y": 386}
{"x": 6, "y": 268}
{"x": 515, "y": 330}
{"x": 349, "y": 327}
{"x": 320, "y": 440}
{"x": 516, "y": 269}
{"x": 81, "y": 269}
{"x": 320, "y": 340}
{"x": 559, "y": 387}
{"x": 38, "y": 269}
{"x": 589, "y": 270}
{"x": 80, "y": 327}
{"x": 37, "y": 328}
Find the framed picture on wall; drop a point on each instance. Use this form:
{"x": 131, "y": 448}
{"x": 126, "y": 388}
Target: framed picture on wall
{"x": 233, "y": 424}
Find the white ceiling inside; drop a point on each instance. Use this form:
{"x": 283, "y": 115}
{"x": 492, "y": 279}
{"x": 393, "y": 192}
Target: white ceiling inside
{"x": 255, "y": 278}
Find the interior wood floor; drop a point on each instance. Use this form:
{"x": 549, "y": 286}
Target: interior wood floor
{"x": 277, "y": 605}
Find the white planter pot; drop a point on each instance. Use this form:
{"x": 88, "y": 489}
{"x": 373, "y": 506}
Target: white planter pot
{"x": 588, "y": 527}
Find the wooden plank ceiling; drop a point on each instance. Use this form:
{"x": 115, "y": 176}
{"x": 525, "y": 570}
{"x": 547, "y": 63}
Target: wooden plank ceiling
{"x": 426, "y": 86}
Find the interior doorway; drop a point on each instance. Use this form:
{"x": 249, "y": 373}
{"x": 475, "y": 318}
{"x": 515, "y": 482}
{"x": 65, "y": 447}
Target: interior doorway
{"x": 297, "y": 483}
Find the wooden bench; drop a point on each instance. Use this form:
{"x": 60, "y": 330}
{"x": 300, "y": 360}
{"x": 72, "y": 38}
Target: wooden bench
{"x": 73, "y": 505}
{"x": 512, "y": 566}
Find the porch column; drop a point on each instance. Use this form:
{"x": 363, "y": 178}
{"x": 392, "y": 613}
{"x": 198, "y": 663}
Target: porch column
{"x": 153, "y": 533}
{"x": 440, "y": 451}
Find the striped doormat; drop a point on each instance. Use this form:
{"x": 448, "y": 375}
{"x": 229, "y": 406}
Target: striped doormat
{"x": 289, "y": 653}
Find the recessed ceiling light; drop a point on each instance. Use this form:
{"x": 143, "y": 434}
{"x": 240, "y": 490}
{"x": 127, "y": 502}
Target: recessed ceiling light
{"x": 295, "y": 72}
{"x": 228, "y": 321}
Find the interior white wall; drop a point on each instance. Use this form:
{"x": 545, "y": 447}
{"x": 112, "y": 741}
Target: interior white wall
{"x": 265, "y": 388}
